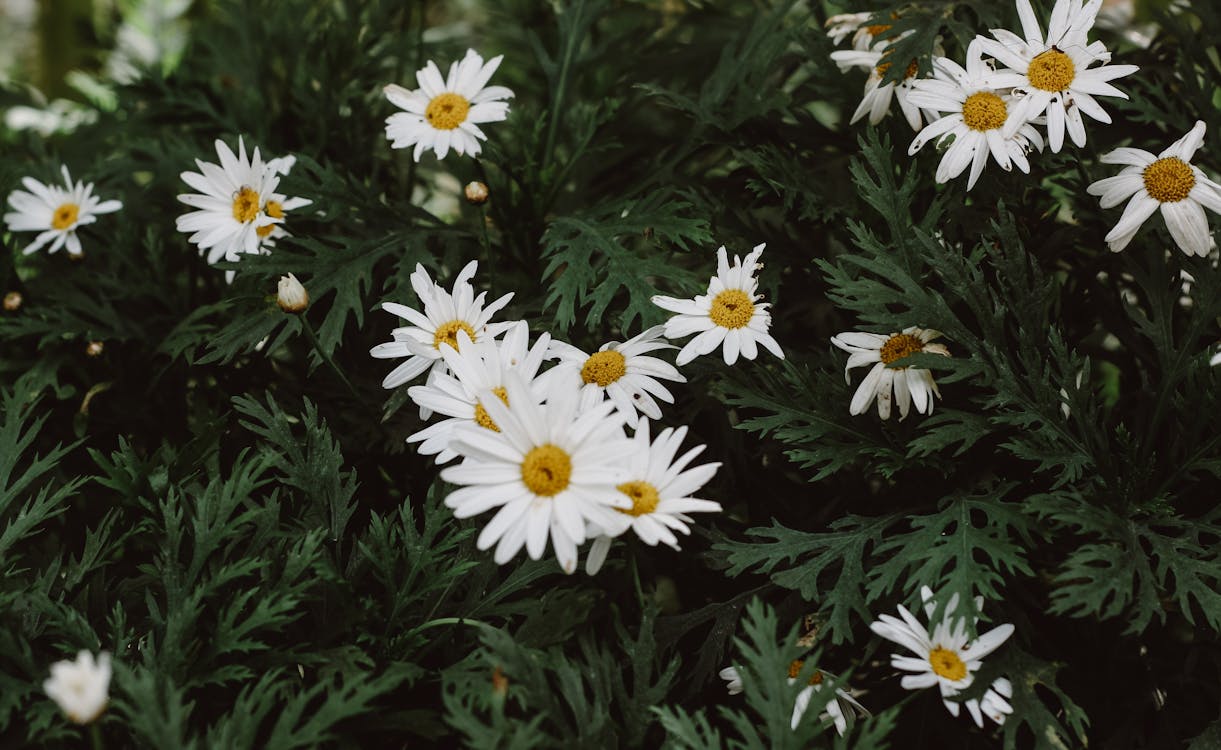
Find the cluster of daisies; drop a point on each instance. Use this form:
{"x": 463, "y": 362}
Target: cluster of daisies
{"x": 1010, "y": 91}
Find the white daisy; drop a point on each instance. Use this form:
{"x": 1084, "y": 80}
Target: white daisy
{"x": 476, "y": 368}
{"x": 622, "y": 372}
{"x": 1051, "y": 74}
{"x": 445, "y": 113}
{"x": 80, "y": 688}
{"x": 857, "y": 24}
{"x": 551, "y": 470}
{"x": 977, "y": 114}
{"x": 910, "y": 384}
{"x": 841, "y": 710}
{"x": 947, "y": 656}
{"x": 278, "y": 205}
{"x": 1167, "y": 181}
{"x": 445, "y": 313}
{"x": 878, "y": 95}
{"x": 661, "y": 490}
{"x": 232, "y": 213}
{"x": 55, "y": 213}
{"x": 730, "y": 314}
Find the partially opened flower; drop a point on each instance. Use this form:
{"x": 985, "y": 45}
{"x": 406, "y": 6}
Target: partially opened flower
{"x": 878, "y": 95}
{"x": 910, "y": 384}
{"x": 80, "y": 688}
{"x": 841, "y": 710}
{"x": 730, "y": 315}
{"x": 1169, "y": 182}
{"x": 445, "y": 113}
{"x": 55, "y": 212}
{"x": 857, "y": 25}
{"x": 278, "y": 205}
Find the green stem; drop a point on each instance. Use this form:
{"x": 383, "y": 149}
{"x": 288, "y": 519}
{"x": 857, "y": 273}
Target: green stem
{"x": 557, "y": 106}
{"x": 448, "y": 621}
{"x": 313, "y": 339}
{"x": 419, "y": 63}
{"x": 95, "y": 736}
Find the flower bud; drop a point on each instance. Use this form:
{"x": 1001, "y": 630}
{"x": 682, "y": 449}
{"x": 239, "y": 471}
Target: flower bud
{"x": 94, "y": 349}
{"x": 476, "y": 193}
{"x": 12, "y": 302}
{"x": 290, "y": 295}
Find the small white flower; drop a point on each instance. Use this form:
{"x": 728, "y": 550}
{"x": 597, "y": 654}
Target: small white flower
{"x": 734, "y": 679}
{"x": 842, "y": 710}
{"x": 476, "y": 368}
{"x": 1051, "y": 74}
{"x": 978, "y": 115}
{"x": 80, "y": 688}
{"x": 622, "y": 372}
{"x": 291, "y": 295}
{"x": 856, "y": 24}
{"x": 1167, "y": 181}
{"x": 445, "y": 313}
{"x": 910, "y": 384}
{"x": 55, "y": 212}
{"x": 549, "y": 470}
{"x": 661, "y": 489}
{"x": 946, "y": 656}
{"x": 878, "y": 95}
{"x": 445, "y": 113}
{"x": 729, "y": 315}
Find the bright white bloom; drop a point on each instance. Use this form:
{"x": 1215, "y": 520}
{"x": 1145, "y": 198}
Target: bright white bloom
{"x": 729, "y": 315}
{"x": 878, "y": 95}
{"x": 1167, "y": 181}
{"x": 445, "y": 113}
{"x": 1051, "y": 74}
{"x": 476, "y": 368}
{"x": 910, "y": 384}
{"x": 978, "y": 115}
{"x": 946, "y": 656}
{"x": 661, "y": 490}
{"x": 80, "y": 688}
{"x": 841, "y": 710}
{"x": 622, "y": 372}
{"x": 55, "y": 212}
{"x": 445, "y": 313}
{"x": 550, "y": 470}
{"x": 278, "y": 204}
{"x": 856, "y": 24}
{"x": 237, "y": 205}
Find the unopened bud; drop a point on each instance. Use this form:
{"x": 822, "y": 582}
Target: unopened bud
{"x": 290, "y": 295}
{"x": 12, "y": 301}
{"x": 500, "y": 682}
{"x": 94, "y": 349}
{"x": 476, "y": 193}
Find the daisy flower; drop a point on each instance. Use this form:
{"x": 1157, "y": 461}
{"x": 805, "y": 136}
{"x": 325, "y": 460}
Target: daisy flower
{"x": 946, "y": 656}
{"x": 622, "y": 372}
{"x": 910, "y": 384}
{"x": 278, "y": 205}
{"x": 660, "y": 489}
{"x": 445, "y": 113}
{"x": 476, "y": 368}
{"x": 80, "y": 688}
{"x": 1167, "y": 181}
{"x": 550, "y": 470}
{"x": 977, "y": 115}
{"x": 878, "y": 95}
{"x": 857, "y": 24}
{"x": 445, "y": 313}
{"x": 1052, "y": 74}
{"x": 729, "y": 315}
{"x": 55, "y": 212}
{"x": 842, "y": 710}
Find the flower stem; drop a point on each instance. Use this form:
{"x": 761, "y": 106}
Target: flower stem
{"x": 313, "y": 339}
{"x": 575, "y": 35}
{"x": 95, "y": 736}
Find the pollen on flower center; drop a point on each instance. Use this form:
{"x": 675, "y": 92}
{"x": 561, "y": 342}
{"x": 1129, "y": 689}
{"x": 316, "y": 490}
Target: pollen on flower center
{"x": 644, "y": 498}
{"x": 984, "y": 110}
{"x": 65, "y": 216}
{"x": 447, "y": 111}
{"x": 1169, "y": 180}
{"x": 447, "y": 333}
{"x": 481, "y": 414}
{"x": 1051, "y": 71}
{"x": 245, "y": 205}
{"x": 732, "y": 308}
{"x": 276, "y": 211}
{"x": 877, "y": 29}
{"x": 604, "y": 368}
{"x": 546, "y": 470}
{"x": 795, "y": 669}
{"x": 947, "y": 664}
{"x": 899, "y": 346}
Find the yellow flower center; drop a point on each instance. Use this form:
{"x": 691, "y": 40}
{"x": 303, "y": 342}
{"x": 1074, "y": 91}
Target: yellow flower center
{"x": 481, "y": 414}
{"x": 795, "y": 669}
{"x": 947, "y": 664}
{"x": 984, "y": 110}
{"x": 245, "y": 205}
{"x": 913, "y": 67}
{"x": 275, "y": 211}
{"x": 546, "y": 470}
{"x": 877, "y": 29}
{"x": 604, "y": 368}
{"x": 65, "y": 216}
{"x": 899, "y": 346}
{"x": 1051, "y": 71}
{"x": 1169, "y": 180}
{"x": 732, "y": 308}
{"x": 644, "y": 498}
{"x": 447, "y": 333}
{"x": 447, "y": 111}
